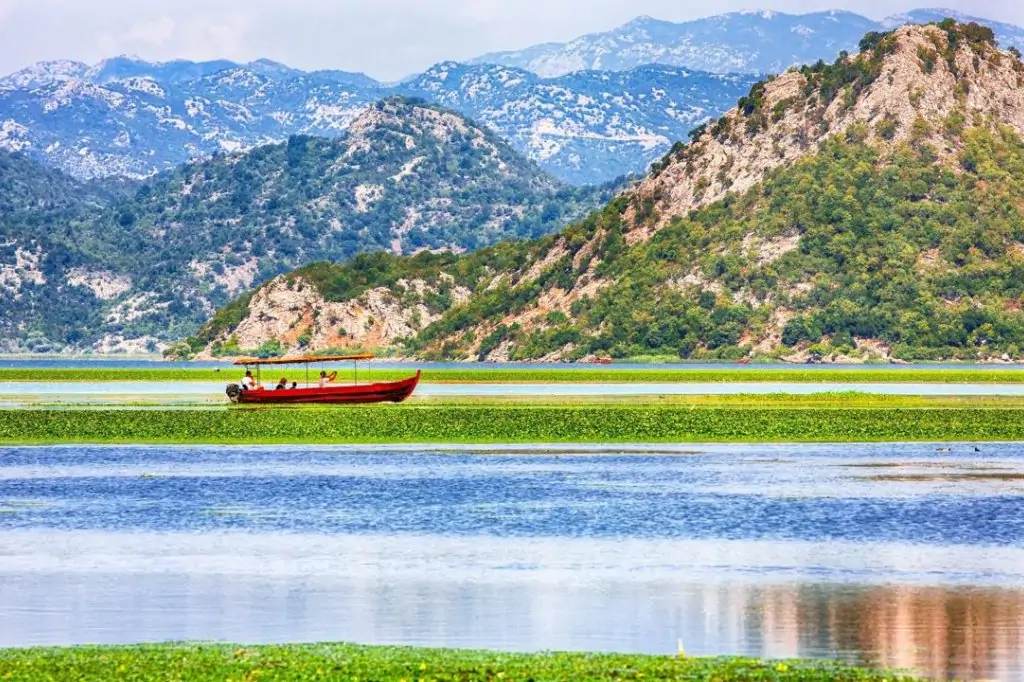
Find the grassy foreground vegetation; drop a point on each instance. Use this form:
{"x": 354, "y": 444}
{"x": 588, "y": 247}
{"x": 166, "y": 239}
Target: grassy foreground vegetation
{"x": 198, "y": 663}
{"x": 477, "y": 374}
{"x": 527, "y": 422}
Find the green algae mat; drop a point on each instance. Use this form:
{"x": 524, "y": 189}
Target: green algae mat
{"x": 683, "y": 422}
{"x": 292, "y": 663}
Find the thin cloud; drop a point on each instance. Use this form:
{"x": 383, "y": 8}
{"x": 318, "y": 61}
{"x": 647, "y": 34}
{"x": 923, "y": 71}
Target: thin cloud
{"x": 386, "y": 38}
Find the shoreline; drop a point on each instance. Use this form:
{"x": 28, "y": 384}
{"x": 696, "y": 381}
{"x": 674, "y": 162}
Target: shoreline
{"x": 152, "y": 662}
{"x": 770, "y": 361}
{"x": 480, "y": 375}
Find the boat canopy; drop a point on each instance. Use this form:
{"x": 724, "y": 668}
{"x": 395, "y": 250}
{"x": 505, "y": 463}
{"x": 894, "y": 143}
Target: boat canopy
{"x": 303, "y": 360}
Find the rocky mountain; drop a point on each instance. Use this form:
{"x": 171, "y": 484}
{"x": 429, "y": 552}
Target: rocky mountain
{"x": 132, "y": 269}
{"x": 132, "y": 118}
{"x": 1008, "y": 35}
{"x": 741, "y": 42}
{"x": 868, "y": 208}
{"x": 589, "y": 126}
{"x": 587, "y": 111}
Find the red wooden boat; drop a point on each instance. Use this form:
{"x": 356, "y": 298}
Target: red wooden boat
{"x": 377, "y": 392}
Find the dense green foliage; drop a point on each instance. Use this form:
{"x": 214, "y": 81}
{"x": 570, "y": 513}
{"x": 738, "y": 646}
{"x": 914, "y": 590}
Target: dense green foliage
{"x": 868, "y": 227}
{"x": 406, "y": 175}
{"x": 516, "y": 423}
{"x": 37, "y": 207}
{"x": 28, "y": 186}
{"x": 291, "y": 663}
{"x": 486, "y": 375}
{"x": 925, "y": 258}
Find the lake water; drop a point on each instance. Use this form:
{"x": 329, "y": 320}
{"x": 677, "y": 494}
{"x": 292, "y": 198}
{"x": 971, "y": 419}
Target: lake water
{"x": 898, "y": 555}
{"x": 15, "y": 393}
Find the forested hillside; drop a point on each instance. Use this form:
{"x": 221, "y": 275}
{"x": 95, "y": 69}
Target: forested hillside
{"x": 873, "y": 207}
{"x": 132, "y": 267}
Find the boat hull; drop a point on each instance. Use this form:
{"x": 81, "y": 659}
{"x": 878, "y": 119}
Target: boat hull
{"x": 382, "y": 392}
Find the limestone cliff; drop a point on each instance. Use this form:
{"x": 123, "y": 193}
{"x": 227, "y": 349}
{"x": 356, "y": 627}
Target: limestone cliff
{"x": 916, "y": 84}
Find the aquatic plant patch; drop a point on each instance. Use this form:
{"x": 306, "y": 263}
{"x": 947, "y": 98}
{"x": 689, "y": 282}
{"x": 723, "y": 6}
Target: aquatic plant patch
{"x": 513, "y": 423}
{"x": 290, "y": 663}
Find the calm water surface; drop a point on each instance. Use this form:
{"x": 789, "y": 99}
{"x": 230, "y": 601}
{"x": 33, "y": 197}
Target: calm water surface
{"x": 17, "y": 393}
{"x": 896, "y": 555}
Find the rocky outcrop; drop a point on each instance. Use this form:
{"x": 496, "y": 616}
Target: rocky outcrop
{"x": 103, "y": 284}
{"x": 293, "y": 312}
{"x": 21, "y": 270}
{"x": 921, "y": 88}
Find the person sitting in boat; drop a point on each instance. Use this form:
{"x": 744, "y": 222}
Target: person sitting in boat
{"x": 326, "y": 378}
{"x": 248, "y": 383}
{"x": 295, "y": 385}
{"x": 282, "y": 384}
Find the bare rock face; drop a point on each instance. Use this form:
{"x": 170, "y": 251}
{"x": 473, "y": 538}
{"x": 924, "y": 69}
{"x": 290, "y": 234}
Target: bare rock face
{"x": 293, "y": 312}
{"x": 916, "y": 95}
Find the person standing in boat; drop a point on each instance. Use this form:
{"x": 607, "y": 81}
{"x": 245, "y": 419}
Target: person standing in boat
{"x": 248, "y": 383}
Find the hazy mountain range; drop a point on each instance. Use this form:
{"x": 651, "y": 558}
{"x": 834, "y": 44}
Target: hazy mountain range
{"x": 586, "y": 111}
{"x": 133, "y": 118}
{"x": 742, "y": 42}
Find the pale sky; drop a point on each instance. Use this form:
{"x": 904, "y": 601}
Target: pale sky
{"x": 386, "y": 39}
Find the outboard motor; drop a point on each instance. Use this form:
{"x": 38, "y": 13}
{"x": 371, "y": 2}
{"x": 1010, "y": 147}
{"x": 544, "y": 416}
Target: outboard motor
{"x": 234, "y": 392}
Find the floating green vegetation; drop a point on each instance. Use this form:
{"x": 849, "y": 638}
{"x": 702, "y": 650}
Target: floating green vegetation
{"x": 947, "y": 478}
{"x": 650, "y": 422}
{"x": 552, "y": 375}
{"x": 199, "y": 663}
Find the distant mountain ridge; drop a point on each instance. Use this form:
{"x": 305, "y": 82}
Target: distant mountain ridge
{"x": 586, "y": 111}
{"x": 171, "y": 72}
{"x": 132, "y": 118}
{"x": 584, "y": 126}
{"x": 762, "y": 42}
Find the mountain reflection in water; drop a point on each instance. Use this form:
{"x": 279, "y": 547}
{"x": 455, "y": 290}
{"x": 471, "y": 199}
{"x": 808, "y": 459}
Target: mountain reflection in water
{"x": 893, "y": 555}
{"x": 943, "y": 632}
